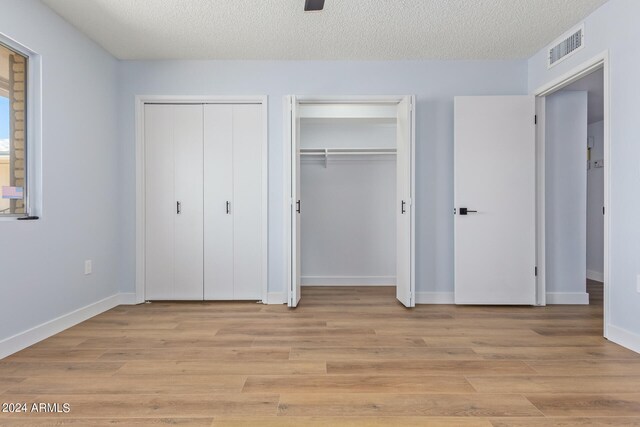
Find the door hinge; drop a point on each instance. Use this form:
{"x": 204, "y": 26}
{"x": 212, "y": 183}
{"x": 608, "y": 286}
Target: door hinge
{"x": 535, "y": 119}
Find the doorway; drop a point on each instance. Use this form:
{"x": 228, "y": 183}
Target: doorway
{"x": 592, "y": 80}
{"x": 349, "y": 173}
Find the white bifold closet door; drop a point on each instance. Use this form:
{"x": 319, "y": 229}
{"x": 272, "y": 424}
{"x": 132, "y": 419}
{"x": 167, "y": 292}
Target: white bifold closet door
{"x": 173, "y": 198}
{"x": 233, "y": 202}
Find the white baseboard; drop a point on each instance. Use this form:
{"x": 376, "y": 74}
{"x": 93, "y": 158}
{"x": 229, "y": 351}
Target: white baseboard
{"x": 127, "y": 298}
{"x": 598, "y": 276}
{"x": 435, "y": 298}
{"x": 623, "y": 337}
{"x": 348, "y": 280}
{"x": 277, "y": 298}
{"x": 573, "y": 298}
{"x": 45, "y": 330}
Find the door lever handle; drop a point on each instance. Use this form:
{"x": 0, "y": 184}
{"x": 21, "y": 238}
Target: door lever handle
{"x": 464, "y": 211}
{"x": 298, "y": 206}
{"x": 178, "y": 208}
{"x": 402, "y": 209}
{"x": 228, "y": 207}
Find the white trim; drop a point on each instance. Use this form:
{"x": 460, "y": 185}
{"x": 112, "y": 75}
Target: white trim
{"x": 598, "y": 276}
{"x": 624, "y": 337}
{"x": 435, "y": 298}
{"x": 127, "y": 298}
{"x": 276, "y": 298}
{"x": 287, "y": 178}
{"x": 541, "y": 246}
{"x": 140, "y": 101}
{"x": 574, "y": 298}
{"x": 288, "y": 200}
{"x": 576, "y": 73}
{"x": 599, "y": 61}
{"x": 47, "y": 329}
{"x": 348, "y": 281}
{"x": 33, "y": 141}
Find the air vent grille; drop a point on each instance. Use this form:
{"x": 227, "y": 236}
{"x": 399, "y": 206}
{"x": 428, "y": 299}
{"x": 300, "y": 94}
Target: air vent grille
{"x": 566, "y": 47}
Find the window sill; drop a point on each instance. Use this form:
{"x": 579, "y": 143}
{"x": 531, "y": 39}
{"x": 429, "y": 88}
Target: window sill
{"x": 19, "y": 218}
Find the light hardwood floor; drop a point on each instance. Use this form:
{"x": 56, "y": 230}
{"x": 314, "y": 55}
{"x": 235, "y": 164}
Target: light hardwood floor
{"x": 346, "y": 356}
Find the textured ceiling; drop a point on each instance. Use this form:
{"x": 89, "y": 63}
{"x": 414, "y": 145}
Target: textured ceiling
{"x": 346, "y": 29}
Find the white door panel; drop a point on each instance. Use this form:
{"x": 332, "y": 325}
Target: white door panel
{"x": 187, "y": 147}
{"x": 296, "y": 207}
{"x": 247, "y": 201}
{"x": 160, "y": 203}
{"x": 404, "y": 288}
{"x": 494, "y": 157}
{"x": 218, "y": 202}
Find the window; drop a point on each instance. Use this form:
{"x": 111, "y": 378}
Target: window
{"x": 13, "y": 132}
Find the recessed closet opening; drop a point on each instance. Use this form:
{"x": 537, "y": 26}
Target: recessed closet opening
{"x": 351, "y": 186}
{"x": 348, "y": 182}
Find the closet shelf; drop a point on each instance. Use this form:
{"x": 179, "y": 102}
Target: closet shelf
{"x": 345, "y": 151}
{"x": 326, "y": 152}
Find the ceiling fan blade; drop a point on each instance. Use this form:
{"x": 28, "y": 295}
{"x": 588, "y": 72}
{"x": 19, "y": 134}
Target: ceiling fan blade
{"x": 313, "y": 5}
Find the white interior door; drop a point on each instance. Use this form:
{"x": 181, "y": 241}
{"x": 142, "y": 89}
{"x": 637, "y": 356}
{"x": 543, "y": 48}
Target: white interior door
{"x": 494, "y": 161}
{"x": 404, "y": 275}
{"x": 218, "y": 202}
{"x": 160, "y": 202}
{"x": 187, "y": 152}
{"x": 296, "y": 207}
{"x": 247, "y": 202}
{"x": 173, "y": 194}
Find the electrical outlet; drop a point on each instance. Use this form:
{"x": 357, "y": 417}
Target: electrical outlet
{"x": 88, "y": 268}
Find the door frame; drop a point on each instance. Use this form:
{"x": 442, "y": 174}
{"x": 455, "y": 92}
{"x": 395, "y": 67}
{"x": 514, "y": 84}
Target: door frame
{"x": 287, "y": 175}
{"x": 140, "y": 101}
{"x": 600, "y": 61}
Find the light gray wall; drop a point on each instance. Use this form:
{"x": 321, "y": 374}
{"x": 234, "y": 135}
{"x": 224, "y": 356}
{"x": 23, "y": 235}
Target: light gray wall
{"x": 348, "y": 216}
{"x": 435, "y": 83}
{"x": 595, "y": 201}
{"x": 42, "y": 262}
{"x": 614, "y": 27}
{"x": 566, "y": 191}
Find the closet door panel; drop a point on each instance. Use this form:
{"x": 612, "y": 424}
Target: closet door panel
{"x": 218, "y": 191}
{"x": 187, "y": 151}
{"x": 247, "y": 196}
{"x": 159, "y": 201}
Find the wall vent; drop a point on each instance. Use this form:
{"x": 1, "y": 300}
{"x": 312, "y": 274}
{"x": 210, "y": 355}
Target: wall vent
{"x": 566, "y": 46}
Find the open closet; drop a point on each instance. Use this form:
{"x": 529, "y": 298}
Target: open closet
{"x": 350, "y": 181}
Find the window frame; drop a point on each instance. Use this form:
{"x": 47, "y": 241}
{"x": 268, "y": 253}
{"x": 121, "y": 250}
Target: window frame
{"x": 32, "y": 131}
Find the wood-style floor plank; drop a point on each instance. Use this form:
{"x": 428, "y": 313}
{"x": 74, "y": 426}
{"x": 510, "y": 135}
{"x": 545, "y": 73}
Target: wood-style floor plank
{"x": 377, "y": 353}
{"x": 107, "y": 422}
{"x": 587, "y": 405}
{"x": 430, "y": 367}
{"x": 557, "y": 384}
{"x": 157, "y": 406}
{"x": 567, "y": 422}
{"x": 356, "y": 384}
{"x": 390, "y": 404}
{"x": 324, "y": 421}
{"x": 223, "y": 367}
{"x": 346, "y": 356}
{"x": 131, "y": 384}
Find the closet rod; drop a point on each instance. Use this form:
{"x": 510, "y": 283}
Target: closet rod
{"x": 354, "y": 151}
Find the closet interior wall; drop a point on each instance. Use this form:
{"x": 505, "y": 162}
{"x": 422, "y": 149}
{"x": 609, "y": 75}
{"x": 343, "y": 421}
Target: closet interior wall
{"x": 348, "y": 215}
